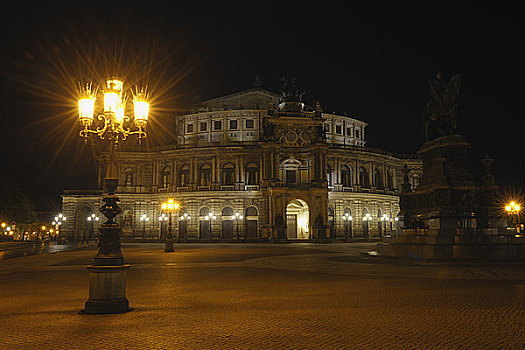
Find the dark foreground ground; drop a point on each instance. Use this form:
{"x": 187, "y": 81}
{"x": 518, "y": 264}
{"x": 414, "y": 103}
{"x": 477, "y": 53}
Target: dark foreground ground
{"x": 263, "y": 296}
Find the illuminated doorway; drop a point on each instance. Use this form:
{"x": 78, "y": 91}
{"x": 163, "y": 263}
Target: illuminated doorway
{"x": 297, "y": 220}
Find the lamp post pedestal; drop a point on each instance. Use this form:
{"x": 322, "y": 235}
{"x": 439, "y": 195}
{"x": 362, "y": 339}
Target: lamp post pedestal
{"x": 107, "y": 290}
{"x": 107, "y": 284}
{"x": 169, "y": 239}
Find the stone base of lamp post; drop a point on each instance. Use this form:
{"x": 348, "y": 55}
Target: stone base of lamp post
{"x": 107, "y": 290}
{"x": 169, "y": 245}
{"x": 107, "y": 286}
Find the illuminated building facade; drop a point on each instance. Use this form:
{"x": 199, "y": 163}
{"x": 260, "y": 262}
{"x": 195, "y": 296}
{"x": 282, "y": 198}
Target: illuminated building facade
{"x": 254, "y": 165}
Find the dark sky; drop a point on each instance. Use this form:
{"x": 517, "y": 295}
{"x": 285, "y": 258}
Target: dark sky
{"x": 373, "y": 63}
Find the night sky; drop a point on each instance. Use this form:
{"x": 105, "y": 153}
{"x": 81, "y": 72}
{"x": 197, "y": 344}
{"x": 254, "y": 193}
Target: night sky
{"x": 372, "y": 63}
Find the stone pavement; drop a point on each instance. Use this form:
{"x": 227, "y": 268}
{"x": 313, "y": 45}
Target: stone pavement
{"x": 264, "y": 296}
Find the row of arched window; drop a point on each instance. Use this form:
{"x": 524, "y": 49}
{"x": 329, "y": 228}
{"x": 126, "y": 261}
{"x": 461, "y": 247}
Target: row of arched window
{"x": 227, "y": 176}
{"x": 228, "y": 211}
{"x": 204, "y": 175}
{"x": 363, "y": 178}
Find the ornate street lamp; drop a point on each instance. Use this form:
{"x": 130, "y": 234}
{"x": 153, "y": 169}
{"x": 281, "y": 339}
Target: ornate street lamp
{"x": 59, "y": 219}
{"x": 209, "y": 218}
{"x": 366, "y": 219}
{"x": 107, "y": 290}
{"x": 384, "y": 219}
{"x": 237, "y": 218}
{"x": 144, "y": 218}
{"x": 186, "y": 218}
{"x": 512, "y": 209}
{"x": 163, "y": 217}
{"x": 170, "y": 206}
{"x": 347, "y": 218}
{"x": 92, "y": 219}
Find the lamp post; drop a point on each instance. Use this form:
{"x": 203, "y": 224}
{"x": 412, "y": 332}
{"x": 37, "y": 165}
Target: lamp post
{"x": 170, "y": 206}
{"x": 513, "y": 209}
{"x": 59, "y": 219}
{"x": 237, "y": 218}
{"x": 384, "y": 219}
{"x": 91, "y": 219}
{"x": 209, "y": 218}
{"x": 366, "y": 219}
{"x": 107, "y": 289}
{"x": 162, "y": 217}
{"x": 144, "y": 218}
{"x": 347, "y": 219}
{"x": 186, "y": 218}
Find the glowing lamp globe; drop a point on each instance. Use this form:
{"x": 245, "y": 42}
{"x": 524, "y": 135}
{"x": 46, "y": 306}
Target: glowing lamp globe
{"x": 112, "y": 95}
{"x": 86, "y": 107}
{"x": 141, "y": 108}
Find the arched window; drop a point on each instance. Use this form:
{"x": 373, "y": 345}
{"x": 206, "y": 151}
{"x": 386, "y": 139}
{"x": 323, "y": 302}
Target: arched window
{"x": 227, "y": 174}
{"x": 252, "y": 174}
{"x": 165, "y": 177}
{"x": 251, "y": 211}
{"x": 329, "y": 177}
{"x": 184, "y": 175}
{"x": 227, "y": 211}
{"x": 364, "y": 180}
{"x": 378, "y": 179}
{"x": 390, "y": 179}
{"x": 128, "y": 177}
{"x": 205, "y": 175}
{"x": 346, "y": 176}
{"x": 204, "y": 211}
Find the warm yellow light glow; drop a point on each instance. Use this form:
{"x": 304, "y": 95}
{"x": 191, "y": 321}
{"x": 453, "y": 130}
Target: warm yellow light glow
{"x": 86, "y": 108}
{"x": 120, "y": 113}
{"x": 141, "y": 104}
{"x": 513, "y": 207}
{"x": 164, "y": 206}
{"x": 43, "y": 227}
{"x": 141, "y": 110}
{"x": 115, "y": 84}
{"x": 112, "y": 95}
{"x": 3, "y": 224}
{"x": 111, "y": 102}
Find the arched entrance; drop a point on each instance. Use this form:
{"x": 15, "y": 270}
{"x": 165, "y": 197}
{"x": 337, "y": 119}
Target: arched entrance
{"x": 297, "y": 220}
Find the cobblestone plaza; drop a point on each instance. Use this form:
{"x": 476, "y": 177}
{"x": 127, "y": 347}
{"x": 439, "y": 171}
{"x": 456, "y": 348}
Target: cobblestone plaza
{"x": 262, "y": 296}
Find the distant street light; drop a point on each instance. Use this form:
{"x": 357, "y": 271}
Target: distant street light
{"x": 209, "y": 218}
{"x": 347, "y": 218}
{"x": 170, "y": 206}
{"x": 162, "y": 217}
{"x": 92, "y": 219}
{"x": 513, "y": 209}
{"x": 186, "y": 218}
{"x": 366, "y": 219}
{"x": 237, "y": 218}
{"x": 144, "y": 218}
{"x": 107, "y": 290}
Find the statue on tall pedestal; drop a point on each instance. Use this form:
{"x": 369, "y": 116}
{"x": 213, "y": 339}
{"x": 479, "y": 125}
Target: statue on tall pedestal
{"x": 441, "y": 112}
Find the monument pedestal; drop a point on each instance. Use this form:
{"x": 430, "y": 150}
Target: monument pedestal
{"x": 448, "y": 216}
{"x": 107, "y": 290}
